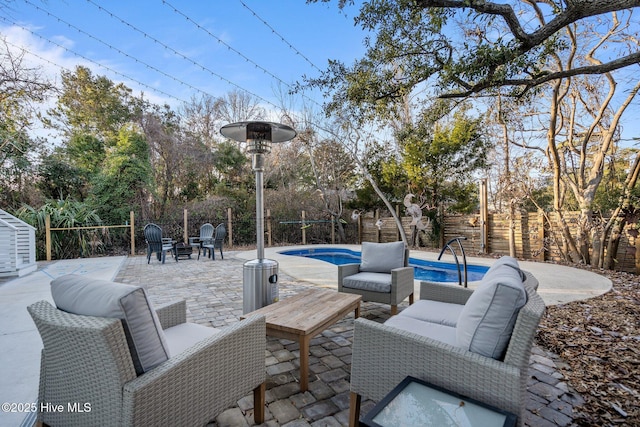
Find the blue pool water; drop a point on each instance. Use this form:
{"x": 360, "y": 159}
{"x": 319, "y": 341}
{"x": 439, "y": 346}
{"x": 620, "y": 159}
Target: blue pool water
{"x": 433, "y": 271}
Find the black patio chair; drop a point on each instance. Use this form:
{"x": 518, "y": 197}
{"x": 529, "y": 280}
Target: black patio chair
{"x": 217, "y": 242}
{"x": 158, "y": 244}
{"x": 205, "y": 238}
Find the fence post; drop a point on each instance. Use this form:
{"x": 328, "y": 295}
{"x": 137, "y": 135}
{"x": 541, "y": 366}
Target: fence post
{"x": 304, "y": 230}
{"x": 230, "y": 226}
{"x": 185, "y": 230}
{"x": 484, "y": 216}
{"x": 359, "y": 229}
{"x": 541, "y": 255}
{"x": 133, "y": 233}
{"x": 268, "y": 227}
{"x": 47, "y": 236}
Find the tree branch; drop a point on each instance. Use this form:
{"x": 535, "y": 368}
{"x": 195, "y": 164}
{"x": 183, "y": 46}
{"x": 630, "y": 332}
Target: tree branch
{"x": 606, "y": 67}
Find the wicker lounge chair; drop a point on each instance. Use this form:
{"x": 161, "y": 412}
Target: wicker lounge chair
{"x": 382, "y": 276}
{"x": 87, "y": 360}
{"x": 158, "y": 244}
{"x": 376, "y": 366}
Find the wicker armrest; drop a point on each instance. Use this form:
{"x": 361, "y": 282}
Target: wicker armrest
{"x": 345, "y": 270}
{"x": 530, "y": 280}
{"x": 210, "y": 374}
{"x": 444, "y": 293}
{"x": 402, "y": 282}
{"x": 376, "y": 368}
{"x": 172, "y": 314}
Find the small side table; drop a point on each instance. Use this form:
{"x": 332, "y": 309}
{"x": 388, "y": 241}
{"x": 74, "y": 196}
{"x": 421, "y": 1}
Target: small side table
{"x": 417, "y": 403}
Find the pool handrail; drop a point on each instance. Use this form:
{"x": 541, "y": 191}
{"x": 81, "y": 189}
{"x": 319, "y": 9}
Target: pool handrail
{"x": 455, "y": 257}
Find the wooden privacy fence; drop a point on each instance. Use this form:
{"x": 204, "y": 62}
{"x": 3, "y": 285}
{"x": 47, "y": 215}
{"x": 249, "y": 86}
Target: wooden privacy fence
{"x": 537, "y": 235}
{"x": 535, "y": 238}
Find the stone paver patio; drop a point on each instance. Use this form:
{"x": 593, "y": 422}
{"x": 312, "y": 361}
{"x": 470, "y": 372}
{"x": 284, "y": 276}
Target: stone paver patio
{"x": 213, "y": 291}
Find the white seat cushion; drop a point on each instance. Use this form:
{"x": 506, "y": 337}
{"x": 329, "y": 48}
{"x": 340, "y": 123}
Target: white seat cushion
{"x": 487, "y": 319}
{"x": 92, "y": 297}
{"x": 442, "y": 333}
{"x": 185, "y": 335}
{"x": 367, "y": 281}
{"x": 442, "y": 313}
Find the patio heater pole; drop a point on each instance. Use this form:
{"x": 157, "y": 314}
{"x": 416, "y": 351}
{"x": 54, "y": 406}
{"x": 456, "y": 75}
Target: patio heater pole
{"x": 258, "y": 167}
{"x": 260, "y": 276}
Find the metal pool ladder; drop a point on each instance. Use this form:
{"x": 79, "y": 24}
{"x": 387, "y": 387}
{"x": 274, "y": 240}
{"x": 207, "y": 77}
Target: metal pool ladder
{"x": 455, "y": 257}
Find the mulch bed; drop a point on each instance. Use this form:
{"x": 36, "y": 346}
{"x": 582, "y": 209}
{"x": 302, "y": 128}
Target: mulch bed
{"x": 599, "y": 340}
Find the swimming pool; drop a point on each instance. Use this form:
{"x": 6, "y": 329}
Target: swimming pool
{"x": 434, "y": 271}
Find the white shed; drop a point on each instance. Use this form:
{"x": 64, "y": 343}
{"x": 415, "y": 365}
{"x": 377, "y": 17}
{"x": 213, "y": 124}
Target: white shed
{"x": 17, "y": 246}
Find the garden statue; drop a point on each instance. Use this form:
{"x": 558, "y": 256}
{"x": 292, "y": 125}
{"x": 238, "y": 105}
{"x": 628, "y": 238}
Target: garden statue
{"x": 417, "y": 225}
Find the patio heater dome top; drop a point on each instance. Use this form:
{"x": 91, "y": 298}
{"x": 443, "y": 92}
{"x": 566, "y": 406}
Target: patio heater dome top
{"x": 258, "y": 131}
{"x": 258, "y": 135}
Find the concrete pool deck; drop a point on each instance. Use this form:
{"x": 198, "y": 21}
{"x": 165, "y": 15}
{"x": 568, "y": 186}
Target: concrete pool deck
{"x": 558, "y": 284}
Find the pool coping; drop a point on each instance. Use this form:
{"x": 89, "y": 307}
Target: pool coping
{"x": 558, "y": 283}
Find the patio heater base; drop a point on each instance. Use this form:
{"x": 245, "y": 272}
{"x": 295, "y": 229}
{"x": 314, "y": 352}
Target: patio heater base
{"x": 260, "y": 284}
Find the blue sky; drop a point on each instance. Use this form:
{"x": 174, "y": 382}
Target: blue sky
{"x": 173, "y": 50}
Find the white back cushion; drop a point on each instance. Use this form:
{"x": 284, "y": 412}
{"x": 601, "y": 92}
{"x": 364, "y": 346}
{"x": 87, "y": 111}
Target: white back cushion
{"x": 92, "y": 297}
{"x": 382, "y": 257}
{"x": 487, "y": 319}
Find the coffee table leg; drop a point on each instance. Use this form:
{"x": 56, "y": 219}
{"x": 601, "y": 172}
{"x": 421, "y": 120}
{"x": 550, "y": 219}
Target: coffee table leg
{"x": 304, "y": 362}
{"x": 357, "y": 311}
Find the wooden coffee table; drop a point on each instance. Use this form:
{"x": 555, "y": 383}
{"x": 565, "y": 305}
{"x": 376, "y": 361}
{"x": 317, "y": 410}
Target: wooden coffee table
{"x": 303, "y": 316}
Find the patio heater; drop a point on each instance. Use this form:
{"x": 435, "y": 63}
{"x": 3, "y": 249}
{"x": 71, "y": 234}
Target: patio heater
{"x": 260, "y": 276}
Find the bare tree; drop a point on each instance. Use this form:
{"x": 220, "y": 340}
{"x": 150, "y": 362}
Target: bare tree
{"x": 583, "y": 132}
{"x": 358, "y": 144}
{"x": 21, "y": 89}
{"x": 333, "y": 170}
{"x": 624, "y": 213}
{"x": 579, "y": 120}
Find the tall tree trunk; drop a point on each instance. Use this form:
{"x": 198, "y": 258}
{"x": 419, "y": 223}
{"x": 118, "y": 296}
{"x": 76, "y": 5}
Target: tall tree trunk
{"x": 386, "y": 202}
{"x": 508, "y": 182}
{"x": 569, "y": 249}
{"x": 617, "y": 221}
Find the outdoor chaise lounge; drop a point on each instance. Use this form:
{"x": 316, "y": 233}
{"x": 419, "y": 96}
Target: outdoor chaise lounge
{"x": 152, "y": 369}
{"x": 474, "y": 343}
{"x": 382, "y": 276}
